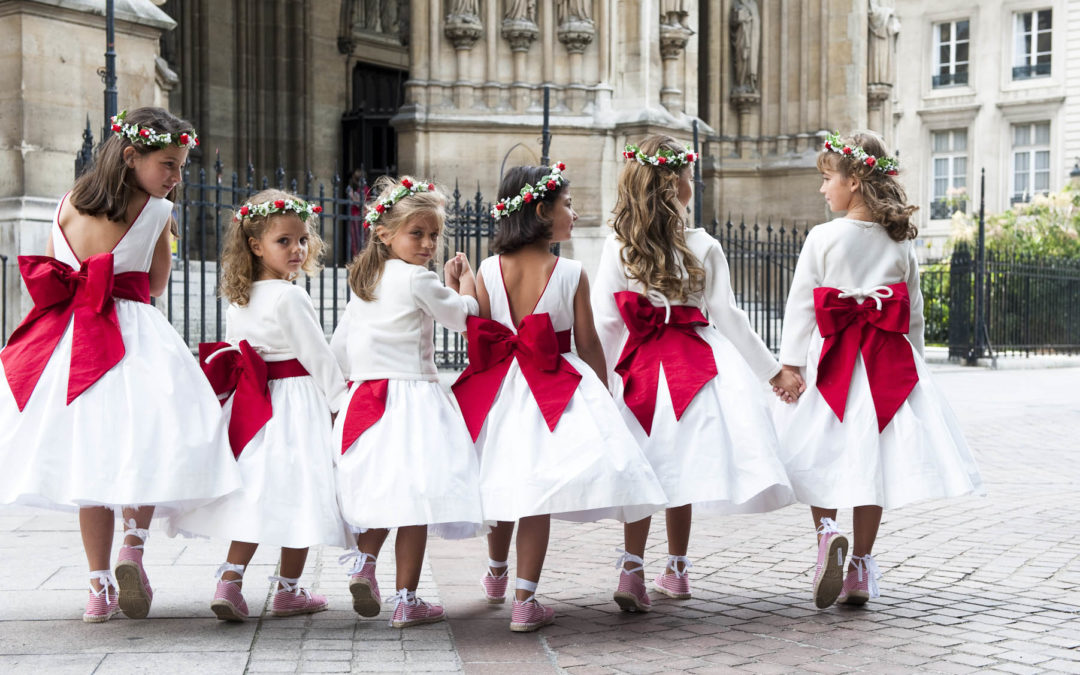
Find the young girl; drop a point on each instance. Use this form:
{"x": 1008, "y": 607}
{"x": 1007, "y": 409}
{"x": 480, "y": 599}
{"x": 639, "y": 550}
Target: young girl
{"x": 687, "y": 367}
{"x": 872, "y": 431}
{"x": 103, "y": 406}
{"x": 406, "y": 458}
{"x": 550, "y": 439}
{"x": 283, "y": 384}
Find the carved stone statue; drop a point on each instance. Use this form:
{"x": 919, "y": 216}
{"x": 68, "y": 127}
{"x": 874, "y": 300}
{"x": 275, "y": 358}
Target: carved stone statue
{"x": 884, "y": 27}
{"x": 674, "y": 13}
{"x": 520, "y": 10}
{"x": 573, "y": 10}
{"x": 745, "y": 44}
{"x": 519, "y": 24}
{"x": 463, "y": 27}
{"x": 463, "y": 8}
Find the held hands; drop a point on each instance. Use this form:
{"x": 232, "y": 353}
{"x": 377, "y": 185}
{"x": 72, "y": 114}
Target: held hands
{"x": 459, "y": 275}
{"x": 788, "y": 384}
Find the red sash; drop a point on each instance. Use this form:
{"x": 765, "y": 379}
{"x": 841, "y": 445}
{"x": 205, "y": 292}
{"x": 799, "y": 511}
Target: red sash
{"x": 538, "y": 350}
{"x": 661, "y": 335}
{"x": 875, "y": 327}
{"x": 60, "y": 293}
{"x": 366, "y": 407}
{"x": 240, "y": 371}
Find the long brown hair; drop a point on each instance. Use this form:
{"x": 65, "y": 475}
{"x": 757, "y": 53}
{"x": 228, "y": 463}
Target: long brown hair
{"x": 882, "y": 193}
{"x": 240, "y": 266}
{"x": 649, "y": 223}
{"x": 107, "y": 187}
{"x": 366, "y": 268}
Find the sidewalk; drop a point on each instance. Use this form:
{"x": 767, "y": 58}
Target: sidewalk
{"x": 971, "y": 585}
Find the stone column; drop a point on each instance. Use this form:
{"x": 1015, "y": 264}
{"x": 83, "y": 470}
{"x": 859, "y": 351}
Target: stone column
{"x": 463, "y": 28}
{"x": 520, "y": 30}
{"x": 674, "y": 34}
{"x": 576, "y": 31}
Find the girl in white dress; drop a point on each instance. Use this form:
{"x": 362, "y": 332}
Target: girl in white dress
{"x": 686, "y": 366}
{"x": 103, "y": 408}
{"x": 871, "y": 431}
{"x": 281, "y": 384}
{"x": 550, "y": 439}
{"x": 406, "y": 460}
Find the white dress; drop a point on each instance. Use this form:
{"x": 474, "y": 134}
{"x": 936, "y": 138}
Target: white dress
{"x": 589, "y": 467}
{"x": 722, "y": 455}
{"x": 416, "y": 464}
{"x": 146, "y": 433}
{"x": 922, "y": 453}
{"x": 289, "y": 497}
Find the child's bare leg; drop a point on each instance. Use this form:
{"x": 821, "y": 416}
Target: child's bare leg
{"x": 678, "y": 531}
{"x": 292, "y": 563}
{"x": 499, "y": 544}
{"x": 142, "y": 517}
{"x": 532, "y": 543}
{"x": 97, "y": 524}
{"x": 372, "y": 541}
{"x": 866, "y": 521}
{"x": 634, "y": 537}
{"x": 240, "y": 553}
{"x": 409, "y": 553}
{"x": 818, "y": 513}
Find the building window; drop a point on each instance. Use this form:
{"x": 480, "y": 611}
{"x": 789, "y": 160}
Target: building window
{"x": 1031, "y": 50}
{"x": 1031, "y": 160}
{"x": 949, "y": 170}
{"x": 951, "y": 42}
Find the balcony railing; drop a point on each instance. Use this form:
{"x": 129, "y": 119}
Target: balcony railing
{"x": 1031, "y": 70}
{"x": 950, "y": 79}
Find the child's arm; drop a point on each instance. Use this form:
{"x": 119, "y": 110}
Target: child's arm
{"x": 161, "y": 264}
{"x": 586, "y": 340}
{"x": 482, "y": 298}
{"x": 799, "y": 318}
{"x": 917, "y": 322}
{"x": 441, "y": 303}
{"x": 609, "y": 323}
{"x": 459, "y": 275}
{"x": 339, "y": 342}
{"x": 297, "y": 318}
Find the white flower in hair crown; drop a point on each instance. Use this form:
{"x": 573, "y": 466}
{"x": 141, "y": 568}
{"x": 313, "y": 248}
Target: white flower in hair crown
{"x": 406, "y": 188}
{"x": 886, "y": 165}
{"x": 663, "y": 156}
{"x": 530, "y": 193}
{"x": 277, "y": 206}
{"x": 148, "y": 136}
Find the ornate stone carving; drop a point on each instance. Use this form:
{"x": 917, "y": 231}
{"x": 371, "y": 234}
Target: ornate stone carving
{"x": 673, "y": 40}
{"x": 745, "y": 45}
{"x": 574, "y": 10}
{"x": 884, "y": 27}
{"x": 463, "y": 27}
{"x": 519, "y": 24}
{"x": 576, "y": 28}
{"x": 675, "y": 13}
{"x": 386, "y": 17}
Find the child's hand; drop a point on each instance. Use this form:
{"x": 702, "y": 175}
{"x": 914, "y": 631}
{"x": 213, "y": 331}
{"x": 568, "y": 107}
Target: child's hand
{"x": 467, "y": 279}
{"x": 788, "y": 384}
{"x": 452, "y": 272}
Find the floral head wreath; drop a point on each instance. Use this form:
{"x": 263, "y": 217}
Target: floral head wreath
{"x": 406, "y": 189}
{"x": 276, "y": 206}
{"x": 148, "y": 136}
{"x": 530, "y": 193}
{"x": 886, "y": 165}
{"x": 663, "y": 156}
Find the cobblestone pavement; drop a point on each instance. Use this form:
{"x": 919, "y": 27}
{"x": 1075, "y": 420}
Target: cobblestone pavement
{"x": 976, "y": 584}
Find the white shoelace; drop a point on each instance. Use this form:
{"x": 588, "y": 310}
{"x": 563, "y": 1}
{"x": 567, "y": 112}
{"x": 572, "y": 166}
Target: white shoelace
{"x": 861, "y": 294}
{"x": 497, "y": 564}
{"x": 131, "y": 530}
{"x": 230, "y": 567}
{"x": 676, "y": 559}
{"x": 868, "y": 566}
{"x": 529, "y": 586}
{"x": 630, "y": 558}
{"x": 290, "y": 586}
{"x": 359, "y": 558}
{"x": 105, "y": 578}
{"x": 829, "y": 526}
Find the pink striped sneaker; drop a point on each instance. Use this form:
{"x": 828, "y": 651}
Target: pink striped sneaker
{"x": 135, "y": 592}
{"x": 409, "y": 610}
{"x": 291, "y": 599}
{"x": 860, "y": 584}
{"x": 529, "y": 615}
{"x": 677, "y": 583}
{"x": 828, "y": 576}
{"x": 102, "y": 605}
{"x": 631, "y": 594}
{"x": 228, "y": 603}
{"x": 495, "y": 586}
{"x": 363, "y": 585}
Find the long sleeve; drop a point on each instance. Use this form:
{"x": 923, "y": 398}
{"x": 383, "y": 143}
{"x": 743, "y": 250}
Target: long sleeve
{"x": 609, "y": 280}
{"x": 339, "y": 342}
{"x": 298, "y": 321}
{"x": 443, "y": 304}
{"x": 917, "y": 323}
{"x": 729, "y": 319}
{"x": 799, "y": 318}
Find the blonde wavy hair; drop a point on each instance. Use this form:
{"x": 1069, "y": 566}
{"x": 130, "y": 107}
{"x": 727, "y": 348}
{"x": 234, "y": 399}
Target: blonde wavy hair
{"x": 240, "y": 268}
{"x": 882, "y": 193}
{"x": 366, "y": 268}
{"x": 649, "y": 222}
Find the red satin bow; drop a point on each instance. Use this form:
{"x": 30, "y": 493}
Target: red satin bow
{"x": 687, "y": 358}
{"x": 240, "y": 369}
{"x": 60, "y": 293}
{"x": 492, "y": 347}
{"x": 849, "y": 327}
{"x": 366, "y": 407}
